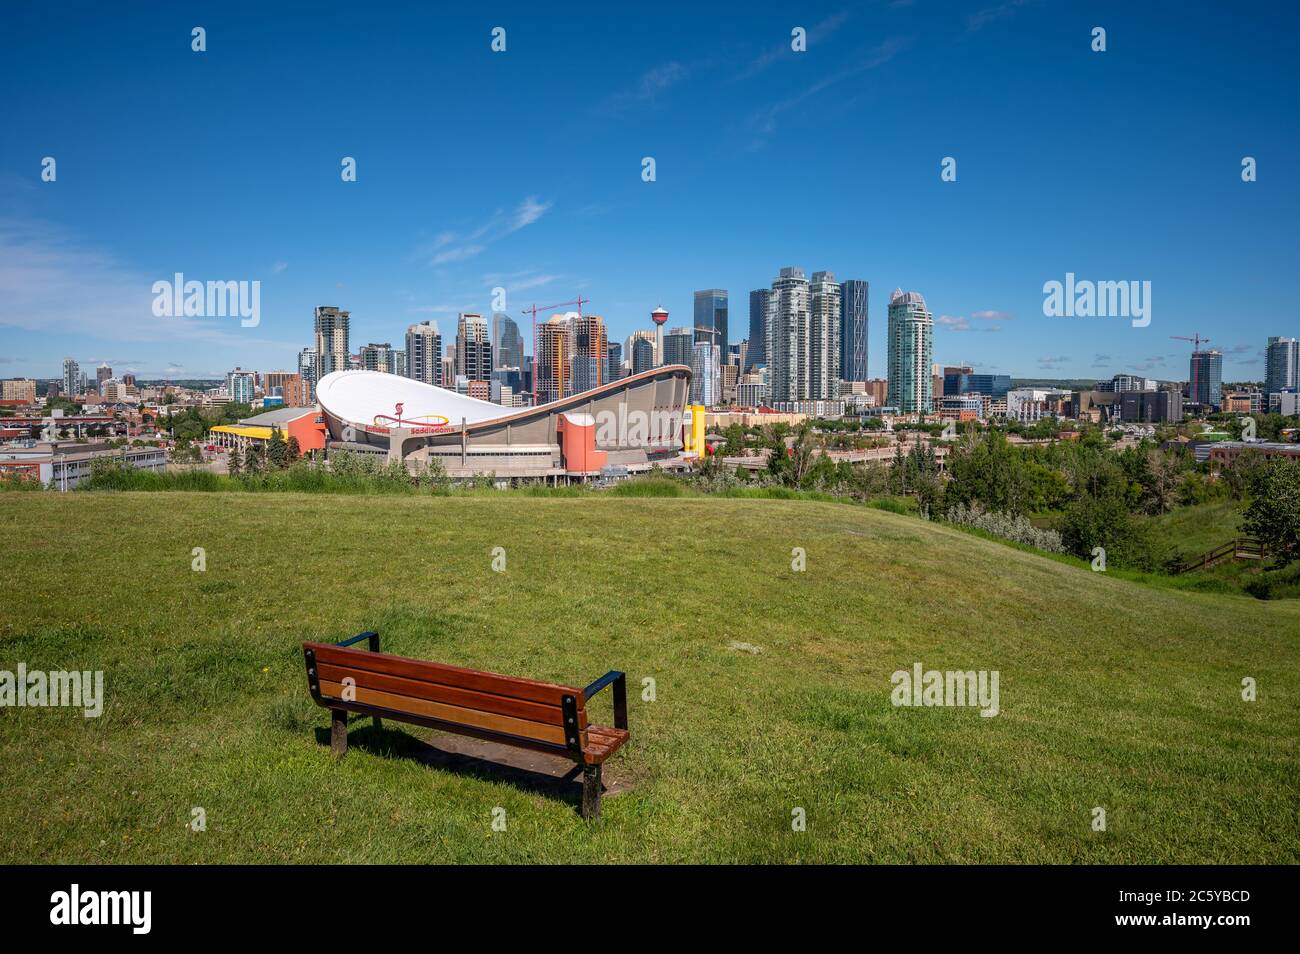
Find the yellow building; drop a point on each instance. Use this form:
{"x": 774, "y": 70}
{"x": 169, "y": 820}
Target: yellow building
{"x": 694, "y": 430}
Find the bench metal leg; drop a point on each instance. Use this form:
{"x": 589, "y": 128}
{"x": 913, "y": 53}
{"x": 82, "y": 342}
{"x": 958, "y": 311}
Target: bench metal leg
{"x": 338, "y": 732}
{"x": 591, "y": 788}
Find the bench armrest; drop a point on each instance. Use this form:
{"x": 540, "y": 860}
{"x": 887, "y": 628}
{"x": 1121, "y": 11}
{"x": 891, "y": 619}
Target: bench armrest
{"x": 619, "y": 682}
{"x": 373, "y": 639}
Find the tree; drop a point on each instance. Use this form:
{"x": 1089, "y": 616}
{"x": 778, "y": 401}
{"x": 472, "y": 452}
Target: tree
{"x": 277, "y": 451}
{"x": 1243, "y": 473}
{"x": 234, "y": 463}
{"x": 1163, "y": 473}
{"x": 293, "y": 450}
{"x": 803, "y": 454}
{"x": 1273, "y": 515}
{"x": 1108, "y": 523}
{"x": 989, "y": 471}
{"x": 735, "y": 445}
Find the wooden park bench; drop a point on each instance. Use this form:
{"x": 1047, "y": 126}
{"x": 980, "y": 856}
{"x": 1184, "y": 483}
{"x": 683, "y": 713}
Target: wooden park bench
{"x": 541, "y": 716}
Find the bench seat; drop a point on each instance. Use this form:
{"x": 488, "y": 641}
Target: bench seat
{"x": 526, "y": 713}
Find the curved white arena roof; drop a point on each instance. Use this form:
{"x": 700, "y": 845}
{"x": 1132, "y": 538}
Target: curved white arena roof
{"x": 361, "y": 396}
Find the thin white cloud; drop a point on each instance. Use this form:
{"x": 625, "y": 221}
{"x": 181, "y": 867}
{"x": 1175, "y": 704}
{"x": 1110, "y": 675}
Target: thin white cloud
{"x": 443, "y": 309}
{"x": 762, "y": 124}
{"x": 449, "y": 247}
{"x": 652, "y": 84}
{"x": 817, "y": 33}
{"x": 458, "y": 254}
{"x": 50, "y": 282}
{"x": 953, "y": 322}
{"x": 518, "y": 281}
{"x": 529, "y": 211}
{"x": 982, "y": 18}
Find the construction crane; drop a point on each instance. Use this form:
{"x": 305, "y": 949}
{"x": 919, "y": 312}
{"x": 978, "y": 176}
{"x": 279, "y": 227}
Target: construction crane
{"x": 1196, "y": 340}
{"x": 533, "y": 309}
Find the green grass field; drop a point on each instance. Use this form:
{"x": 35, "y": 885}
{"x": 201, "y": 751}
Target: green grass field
{"x": 1192, "y": 531}
{"x": 1113, "y": 693}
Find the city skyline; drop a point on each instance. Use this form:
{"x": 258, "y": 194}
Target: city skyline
{"x": 427, "y": 231}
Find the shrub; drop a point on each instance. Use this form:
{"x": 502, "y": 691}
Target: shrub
{"x": 1106, "y": 522}
{"x": 18, "y": 482}
{"x": 1013, "y": 527}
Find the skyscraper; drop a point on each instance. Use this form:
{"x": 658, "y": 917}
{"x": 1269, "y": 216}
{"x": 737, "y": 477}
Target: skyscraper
{"x": 1281, "y": 365}
{"x": 102, "y": 374}
{"x": 630, "y": 350}
{"x": 853, "y": 329}
{"x": 71, "y": 377}
{"x": 677, "y": 346}
{"x": 590, "y": 356}
{"x": 711, "y": 316}
{"x": 706, "y": 374}
{"x": 615, "y": 351}
{"x": 757, "y": 328}
{"x": 383, "y": 357}
{"x": 737, "y": 354}
{"x": 823, "y": 338}
{"x": 911, "y": 345}
{"x": 788, "y": 321}
{"x": 331, "y": 340}
{"x": 643, "y": 354}
{"x": 1206, "y": 378}
{"x": 507, "y": 344}
{"x": 554, "y": 359}
{"x": 241, "y": 385}
{"x": 424, "y": 353}
{"x": 308, "y": 365}
{"x": 473, "y": 348}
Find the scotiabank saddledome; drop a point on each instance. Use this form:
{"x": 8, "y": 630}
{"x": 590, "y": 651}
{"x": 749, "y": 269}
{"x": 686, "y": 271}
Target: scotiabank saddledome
{"x": 633, "y": 422}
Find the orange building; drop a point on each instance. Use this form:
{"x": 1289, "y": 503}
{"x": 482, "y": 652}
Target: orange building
{"x": 304, "y": 423}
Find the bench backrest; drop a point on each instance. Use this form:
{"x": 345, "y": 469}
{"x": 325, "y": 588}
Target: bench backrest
{"x": 485, "y": 702}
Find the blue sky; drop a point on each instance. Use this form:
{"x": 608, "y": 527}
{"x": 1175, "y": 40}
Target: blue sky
{"x": 523, "y": 169}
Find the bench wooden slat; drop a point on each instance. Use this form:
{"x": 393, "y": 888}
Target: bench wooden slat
{"x": 602, "y": 742}
{"x": 452, "y": 695}
{"x": 448, "y": 713}
{"x": 513, "y": 687}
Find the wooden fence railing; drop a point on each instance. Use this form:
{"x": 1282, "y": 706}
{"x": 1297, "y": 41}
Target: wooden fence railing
{"x": 1241, "y": 548}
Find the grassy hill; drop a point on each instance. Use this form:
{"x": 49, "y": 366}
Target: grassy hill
{"x": 1113, "y": 694}
{"x": 1192, "y": 531}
